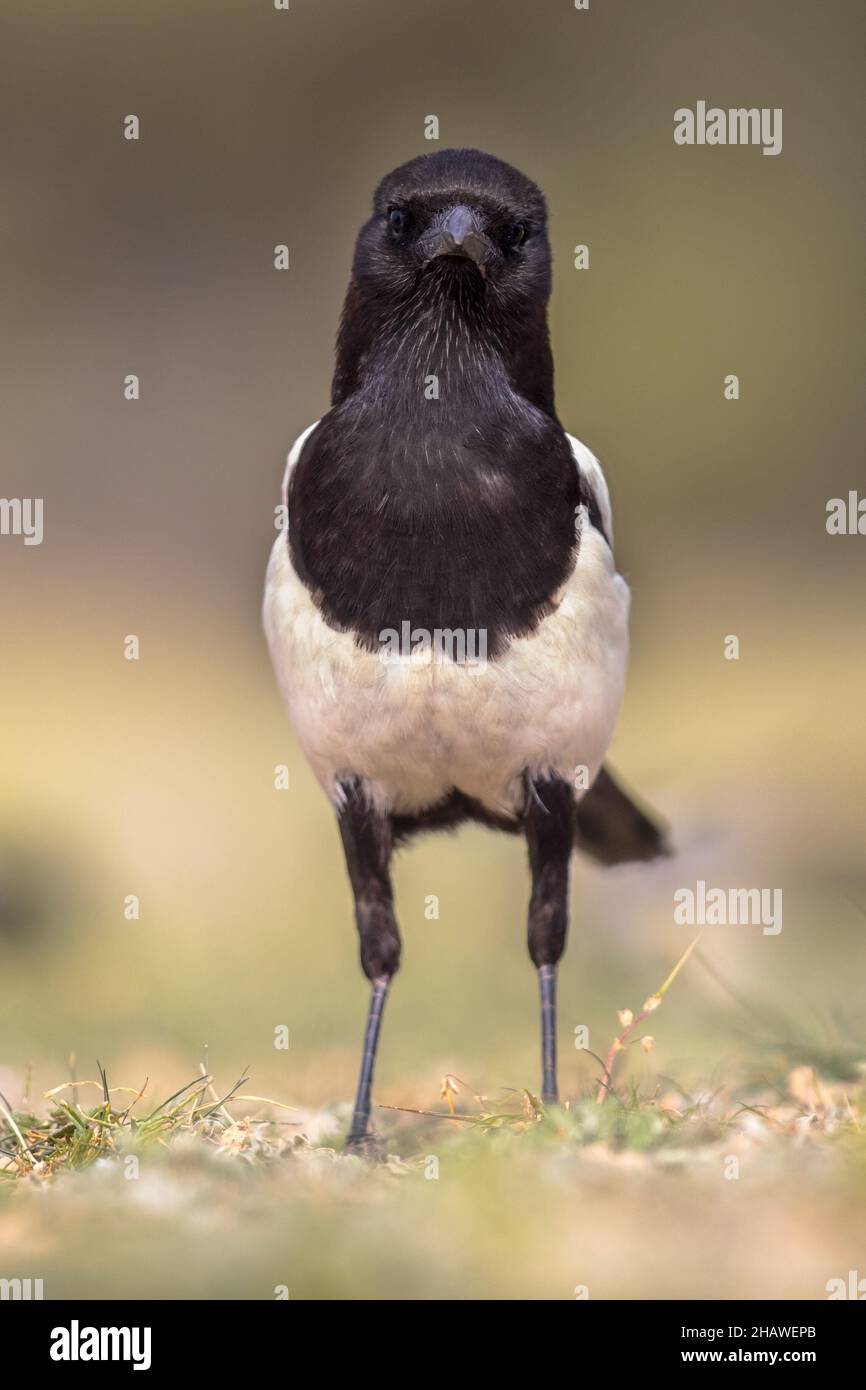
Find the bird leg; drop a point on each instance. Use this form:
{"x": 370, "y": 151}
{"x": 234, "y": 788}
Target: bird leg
{"x": 368, "y": 841}
{"x": 549, "y": 829}
{"x": 359, "y": 1131}
{"x": 547, "y": 987}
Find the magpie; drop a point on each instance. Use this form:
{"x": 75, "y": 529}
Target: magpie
{"x": 438, "y": 497}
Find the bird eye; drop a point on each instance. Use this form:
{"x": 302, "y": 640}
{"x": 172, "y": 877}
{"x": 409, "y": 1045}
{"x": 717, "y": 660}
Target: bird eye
{"x": 516, "y": 234}
{"x": 397, "y": 220}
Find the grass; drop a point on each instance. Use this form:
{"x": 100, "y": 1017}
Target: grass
{"x": 748, "y": 1184}
{"x": 69, "y": 1136}
{"x": 224, "y": 1195}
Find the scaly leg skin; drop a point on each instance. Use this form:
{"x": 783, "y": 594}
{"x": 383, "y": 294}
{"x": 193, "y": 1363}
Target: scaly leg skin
{"x": 547, "y": 986}
{"x": 368, "y": 842}
{"x": 549, "y": 828}
{"x": 359, "y": 1138}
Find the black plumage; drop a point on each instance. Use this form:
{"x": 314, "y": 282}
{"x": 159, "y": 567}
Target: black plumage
{"x": 467, "y": 500}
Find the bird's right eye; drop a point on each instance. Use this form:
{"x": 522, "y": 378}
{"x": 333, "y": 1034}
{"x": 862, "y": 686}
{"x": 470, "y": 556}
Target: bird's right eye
{"x": 397, "y": 220}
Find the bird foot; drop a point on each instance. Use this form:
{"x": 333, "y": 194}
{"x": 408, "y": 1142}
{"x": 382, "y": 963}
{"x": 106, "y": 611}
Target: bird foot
{"x": 366, "y": 1146}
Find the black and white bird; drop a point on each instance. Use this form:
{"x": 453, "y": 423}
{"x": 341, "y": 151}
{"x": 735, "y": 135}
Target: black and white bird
{"x": 440, "y": 497}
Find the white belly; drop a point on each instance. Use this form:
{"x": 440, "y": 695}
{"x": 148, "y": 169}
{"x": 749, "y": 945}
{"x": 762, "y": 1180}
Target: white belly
{"x": 414, "y": 728}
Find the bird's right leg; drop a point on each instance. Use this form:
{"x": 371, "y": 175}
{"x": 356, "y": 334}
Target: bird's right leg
{"x": 549, "y": 827}
{"x": 368, "y": 842}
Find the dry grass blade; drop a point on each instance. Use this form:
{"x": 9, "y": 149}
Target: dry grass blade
{"x": 10, "y": 1120}
{"x": 650, "y": 1005}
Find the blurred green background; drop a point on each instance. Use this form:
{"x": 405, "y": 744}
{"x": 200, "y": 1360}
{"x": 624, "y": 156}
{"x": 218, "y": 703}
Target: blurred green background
{"x": 155, "y": 777}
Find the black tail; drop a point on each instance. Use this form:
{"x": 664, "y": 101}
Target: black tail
{"x": 612, "y": 829}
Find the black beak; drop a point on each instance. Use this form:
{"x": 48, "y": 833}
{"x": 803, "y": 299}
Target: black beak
{"x": 457, "y": 235}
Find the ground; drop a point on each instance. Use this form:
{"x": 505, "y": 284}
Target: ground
{"x": 751, "y": 1191}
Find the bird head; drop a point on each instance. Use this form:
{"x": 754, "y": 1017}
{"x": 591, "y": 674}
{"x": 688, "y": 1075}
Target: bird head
{"x": 456, "y": 222}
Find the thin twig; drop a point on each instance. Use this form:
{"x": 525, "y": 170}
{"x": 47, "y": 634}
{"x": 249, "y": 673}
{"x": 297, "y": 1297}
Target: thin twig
{"x": 649, "y": 1006}
{"x": 433, "y": 1114}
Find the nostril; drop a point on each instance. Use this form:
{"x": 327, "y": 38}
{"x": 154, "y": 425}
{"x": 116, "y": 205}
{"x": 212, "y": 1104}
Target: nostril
{"x": 458, "y": 225}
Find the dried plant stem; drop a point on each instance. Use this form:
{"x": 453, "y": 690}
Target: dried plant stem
{"x": 651, "y": 1004}
{"x": 9, "y": 1118}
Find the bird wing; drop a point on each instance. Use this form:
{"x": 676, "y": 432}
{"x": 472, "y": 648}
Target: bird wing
{"x": 294, "y": 455}
{"x": 594, "y": 488}
{"x": 612, "y": 826}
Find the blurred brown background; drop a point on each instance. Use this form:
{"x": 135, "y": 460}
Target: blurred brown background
{"x": 260, "y": 127}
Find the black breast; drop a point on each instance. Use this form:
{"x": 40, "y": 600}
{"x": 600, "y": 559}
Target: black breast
{"x": 469, "y": 526}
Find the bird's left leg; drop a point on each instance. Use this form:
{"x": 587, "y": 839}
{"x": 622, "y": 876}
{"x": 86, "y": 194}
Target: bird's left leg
{"x": 549, "y": 826}
{"x": 368, "y": 842}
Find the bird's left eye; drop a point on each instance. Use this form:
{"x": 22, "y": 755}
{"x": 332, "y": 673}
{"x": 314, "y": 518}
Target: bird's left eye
{"x": 516, "y": 234}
